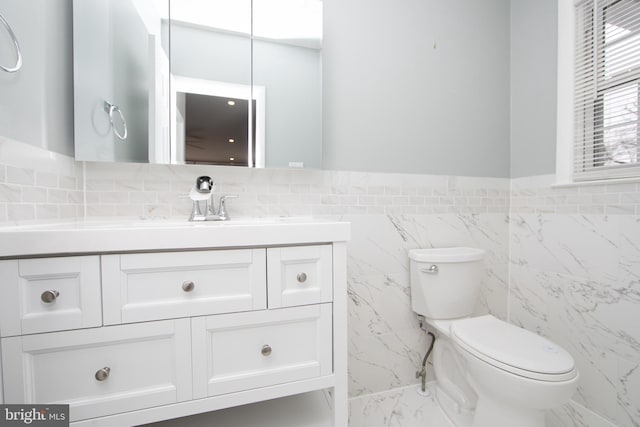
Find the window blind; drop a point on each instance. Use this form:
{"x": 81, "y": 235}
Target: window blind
{"x": 607, "y": 89}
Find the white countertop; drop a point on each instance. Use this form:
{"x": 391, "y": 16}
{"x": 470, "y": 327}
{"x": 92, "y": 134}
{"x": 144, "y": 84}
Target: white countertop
{"x": 152, "y": 235}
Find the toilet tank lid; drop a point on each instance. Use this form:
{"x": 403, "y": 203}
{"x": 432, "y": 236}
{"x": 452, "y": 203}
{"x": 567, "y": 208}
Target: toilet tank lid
{"x": 456, "y": 254}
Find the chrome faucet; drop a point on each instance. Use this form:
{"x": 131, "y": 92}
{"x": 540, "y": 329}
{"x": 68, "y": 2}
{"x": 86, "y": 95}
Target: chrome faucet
{"x": 203, "y": 191}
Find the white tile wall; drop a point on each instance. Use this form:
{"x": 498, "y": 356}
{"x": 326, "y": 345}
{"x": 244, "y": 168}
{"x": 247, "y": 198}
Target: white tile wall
{"x": 564, "y": 262}
{"x": 575, "y": 277}
{"x": 149, "y": 191}
{"x": 38, "y": 185}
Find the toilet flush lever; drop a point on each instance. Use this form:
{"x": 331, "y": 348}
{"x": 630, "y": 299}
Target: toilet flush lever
{"x": 431, "y": 270}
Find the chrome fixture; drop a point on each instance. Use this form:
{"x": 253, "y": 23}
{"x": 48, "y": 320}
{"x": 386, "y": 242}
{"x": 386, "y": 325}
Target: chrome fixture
{"x": 431, "y": 270}
{"x": 266, "y": 350}
{"x": 49, "y": 296}
{"x": 111, "y": 109}
{"x": 14, "y": 39}
{"x": 103, "y": 374}
{"x": 203, "y": 191}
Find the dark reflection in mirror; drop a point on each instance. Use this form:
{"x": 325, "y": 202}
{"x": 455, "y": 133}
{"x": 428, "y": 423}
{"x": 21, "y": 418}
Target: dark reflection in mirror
{"x": 216, "y": 130}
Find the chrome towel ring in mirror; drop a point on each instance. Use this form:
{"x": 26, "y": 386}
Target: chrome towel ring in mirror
{"x": 111, "y": 109}
{"x": 17, "y": 46}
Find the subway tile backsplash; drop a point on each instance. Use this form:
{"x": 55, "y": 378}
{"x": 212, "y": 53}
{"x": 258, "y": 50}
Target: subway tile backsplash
{"x": 157, "y": 191}
{"x": 38, "y": 185}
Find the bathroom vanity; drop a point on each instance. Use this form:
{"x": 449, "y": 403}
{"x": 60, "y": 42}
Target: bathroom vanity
{"x": 133, "y": 323}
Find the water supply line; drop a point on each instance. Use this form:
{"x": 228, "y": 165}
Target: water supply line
{"x": 422, "y": 373}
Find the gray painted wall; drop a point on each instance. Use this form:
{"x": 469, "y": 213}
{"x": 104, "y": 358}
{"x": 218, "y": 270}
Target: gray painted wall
{"x": 419, "y": 86}
{"x": 533, "y": 87}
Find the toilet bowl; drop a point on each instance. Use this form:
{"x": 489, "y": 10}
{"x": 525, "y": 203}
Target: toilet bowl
{"x": 488, "y": 372}
{"x": 516, "y": 373}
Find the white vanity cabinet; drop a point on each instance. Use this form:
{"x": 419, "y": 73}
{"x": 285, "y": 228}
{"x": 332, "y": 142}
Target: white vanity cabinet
{"x": 101, "y": 371}
{"x": 243, "y": 351}
{"x": 49, "y": 294}
{"x": 133, "y": 337}
{"x": 151, "y": 286}
{"x": 299, "y": 275}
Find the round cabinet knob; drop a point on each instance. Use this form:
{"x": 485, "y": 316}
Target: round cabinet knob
{"x": 266, "y": 350}
{"x": 49, "y": 296}
{"x": 188, "y": 286}
{"x": 103, "y": 374}
{"x": 302, "y": 277}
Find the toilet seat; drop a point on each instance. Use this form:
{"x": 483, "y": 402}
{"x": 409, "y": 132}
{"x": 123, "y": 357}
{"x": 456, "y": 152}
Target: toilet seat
{"x": 513, "y": 349}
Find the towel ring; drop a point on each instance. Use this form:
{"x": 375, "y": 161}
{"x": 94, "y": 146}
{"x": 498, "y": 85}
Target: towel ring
{"x": 17, "y": 46}
{"x": 111, "y": 109}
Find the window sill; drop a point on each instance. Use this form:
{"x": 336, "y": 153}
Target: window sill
{"x": 607, "y": 181}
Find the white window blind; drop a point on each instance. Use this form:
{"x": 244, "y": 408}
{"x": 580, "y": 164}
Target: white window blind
{"x": 607, "y": 89}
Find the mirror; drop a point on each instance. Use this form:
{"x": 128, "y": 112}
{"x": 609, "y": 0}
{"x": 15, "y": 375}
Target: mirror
{"x": 130, "y": 108}
{"x": 121, "y": 81}
{"x": 36, "y": 101}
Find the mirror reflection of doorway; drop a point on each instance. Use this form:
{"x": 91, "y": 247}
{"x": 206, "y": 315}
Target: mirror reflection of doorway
{"x": 217, "y": 132}
{"x": 212, "y": 122}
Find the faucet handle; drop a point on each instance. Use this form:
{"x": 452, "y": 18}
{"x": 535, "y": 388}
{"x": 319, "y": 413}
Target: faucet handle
{"x": 222, "y": 209}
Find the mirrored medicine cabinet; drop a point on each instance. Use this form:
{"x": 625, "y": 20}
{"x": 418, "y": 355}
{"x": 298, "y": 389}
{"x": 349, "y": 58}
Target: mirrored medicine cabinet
{"x": 231, "y": 82}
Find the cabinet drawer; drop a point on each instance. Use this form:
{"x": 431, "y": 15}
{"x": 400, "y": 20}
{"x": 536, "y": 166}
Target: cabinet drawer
{"x": 299, "y": 275}
{"x": 242, "y": 351}
{"x": 49, "y": 294}
{"x": 138, "y": 287}
{"x": 148, "y": 365}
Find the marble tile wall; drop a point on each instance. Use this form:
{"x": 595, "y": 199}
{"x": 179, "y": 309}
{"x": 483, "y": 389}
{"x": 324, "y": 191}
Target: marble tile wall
{"x": 575, "y": 277}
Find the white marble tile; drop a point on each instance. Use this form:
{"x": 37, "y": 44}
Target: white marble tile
{"x": 379, "y": 362}
{"x": 576, "y": 279}
{"x": 402, "y": 407}
{"x": 578, "y": 245}
{"x": 629, "y": 392}
{"x": 564, "y": 309}
{"x": 574, "y": 415}
{"x": 10, "y": 193}
{"x": 21, "y": 176}
{"x": 380, "y": 304}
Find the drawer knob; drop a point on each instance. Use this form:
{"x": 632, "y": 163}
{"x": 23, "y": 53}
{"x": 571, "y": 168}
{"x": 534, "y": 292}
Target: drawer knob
{"x": 266, "y": 350}
{"x": 188, "y": 286}
{"x": 49, "y": 296}
{"x": 103, "y": 374}
{"x": 302, "y": 277}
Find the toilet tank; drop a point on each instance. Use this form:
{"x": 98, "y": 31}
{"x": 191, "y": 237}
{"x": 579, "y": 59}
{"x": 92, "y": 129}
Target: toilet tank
{"x": 445, "y": 282}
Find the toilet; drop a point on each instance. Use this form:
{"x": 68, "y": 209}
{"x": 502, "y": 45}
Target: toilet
{"x": 488, "y": 372}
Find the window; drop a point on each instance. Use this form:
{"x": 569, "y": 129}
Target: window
{"x": 607, "y": 89}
